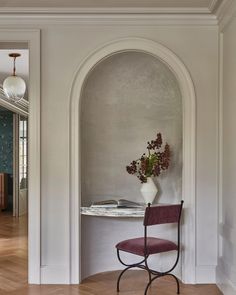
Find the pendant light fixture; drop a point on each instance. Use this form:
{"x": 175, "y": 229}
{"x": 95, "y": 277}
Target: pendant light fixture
{"x": 14, "y": 86}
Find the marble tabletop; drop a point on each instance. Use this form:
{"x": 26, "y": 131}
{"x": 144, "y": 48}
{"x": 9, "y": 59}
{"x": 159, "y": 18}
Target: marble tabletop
{"x": 113, "y": 212}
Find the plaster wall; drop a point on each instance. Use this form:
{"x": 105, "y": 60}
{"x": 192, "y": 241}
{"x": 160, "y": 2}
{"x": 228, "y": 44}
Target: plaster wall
{"x": 62, "y": 50}
{"x": 226, "y": 270}
{"x": 126, "y": 100}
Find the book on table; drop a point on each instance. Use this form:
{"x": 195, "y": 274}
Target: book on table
{"x": 121, "y": 203}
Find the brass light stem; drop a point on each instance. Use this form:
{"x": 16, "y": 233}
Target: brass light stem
{"x": 14, "y": 55}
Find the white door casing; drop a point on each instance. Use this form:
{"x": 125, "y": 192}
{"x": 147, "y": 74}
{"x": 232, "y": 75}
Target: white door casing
{"x": 189, "y": 133}
{"x": 32, "y": 37}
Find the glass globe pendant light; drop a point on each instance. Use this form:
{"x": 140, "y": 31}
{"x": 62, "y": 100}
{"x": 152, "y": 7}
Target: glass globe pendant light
{"x": 14, "y": 86}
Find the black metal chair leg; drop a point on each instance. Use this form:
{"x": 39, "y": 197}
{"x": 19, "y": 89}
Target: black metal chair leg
{"x": 121, "y": 274}
{"x": 147, "y": 269}
{"x": 149, "y": 284}
{"x": 146, "y": 289}
{"x": 149, "y": 275}
{"x": 176, "y": 279}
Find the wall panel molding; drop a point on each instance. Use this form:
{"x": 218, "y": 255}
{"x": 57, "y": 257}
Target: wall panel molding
{"x": 228, "y": 233}
{"x": 55, "y": 274}
{"x": 225, "y": 14}
{"x": 223, "y": 282}
{"x": 206, "y": 274}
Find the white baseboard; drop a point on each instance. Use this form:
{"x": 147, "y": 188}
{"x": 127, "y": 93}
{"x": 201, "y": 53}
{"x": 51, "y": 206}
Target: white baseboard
{"x": 206, "y": 274}
{"x": 225, "y": 285}
{"x": 55, "y": 274}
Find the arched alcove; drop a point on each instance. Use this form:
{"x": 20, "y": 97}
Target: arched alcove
{"x": 180, "y": 75}
{"x": 126, "y": 99}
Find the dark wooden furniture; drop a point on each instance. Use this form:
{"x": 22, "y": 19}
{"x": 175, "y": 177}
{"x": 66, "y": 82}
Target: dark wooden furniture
{"x": 3, "y": 190}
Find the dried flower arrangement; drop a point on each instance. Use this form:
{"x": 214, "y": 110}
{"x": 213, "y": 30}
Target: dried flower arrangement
{"x": 153, "y": 163}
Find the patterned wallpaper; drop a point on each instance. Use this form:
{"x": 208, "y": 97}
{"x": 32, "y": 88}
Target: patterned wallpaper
{"x": 6, "y": 142}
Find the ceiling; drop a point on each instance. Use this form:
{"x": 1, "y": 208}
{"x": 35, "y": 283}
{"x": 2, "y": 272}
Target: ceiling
{"x": 152, "y": 6}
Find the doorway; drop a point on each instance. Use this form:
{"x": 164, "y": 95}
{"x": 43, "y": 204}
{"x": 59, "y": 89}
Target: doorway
{"x": 13, "y": 223}
{"x": 14, "y": 176}
{"x": 31, "y": 108}
{"x": 13, "y": 163}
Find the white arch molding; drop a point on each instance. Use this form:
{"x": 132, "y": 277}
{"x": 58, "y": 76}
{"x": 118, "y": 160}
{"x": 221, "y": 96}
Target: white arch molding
{"x": 188, "y": 183}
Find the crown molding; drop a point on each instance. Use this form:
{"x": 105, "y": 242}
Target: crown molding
{"x": 109, "y": 19}
{"x": 213, "y": 4}
{"x": 117, "y": 15}
{"x": 21, "y": 107}
{"x": 225, "y": 13}
{"x": 108, "y": 10}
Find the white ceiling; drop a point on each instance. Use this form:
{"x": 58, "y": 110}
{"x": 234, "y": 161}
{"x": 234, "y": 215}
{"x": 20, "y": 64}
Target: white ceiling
{"x": 162, "y": 6}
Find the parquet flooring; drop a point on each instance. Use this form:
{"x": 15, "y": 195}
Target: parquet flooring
{"x": 13, "y": 252}
{"x": 13, "y": 272}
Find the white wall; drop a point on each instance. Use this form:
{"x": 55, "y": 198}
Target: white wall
{"x": 63, "y": 48}
{"x": 226, "y": 270}
{"x": 64, "y": 44}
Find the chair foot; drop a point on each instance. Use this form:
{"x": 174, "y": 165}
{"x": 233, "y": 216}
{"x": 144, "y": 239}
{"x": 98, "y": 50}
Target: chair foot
{"x": 120, "y": 275}
{"x": 149, "y": 284}
{"x": 177, "y": 282}
{"x": 147, "y": 287}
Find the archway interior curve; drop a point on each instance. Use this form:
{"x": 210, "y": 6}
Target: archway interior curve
{"x": 126, "y": 99}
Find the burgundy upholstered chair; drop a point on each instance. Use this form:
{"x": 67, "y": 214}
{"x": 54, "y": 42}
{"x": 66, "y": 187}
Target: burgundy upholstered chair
{"x": 146, "y": 246}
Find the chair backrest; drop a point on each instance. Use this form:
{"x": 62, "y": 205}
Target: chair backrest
{"x": 161, "y": 214}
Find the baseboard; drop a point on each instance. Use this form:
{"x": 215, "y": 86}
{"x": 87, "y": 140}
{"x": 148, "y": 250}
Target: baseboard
{"x": 206, "y": 274}
{"x": 224, "y": 284}
{"x": 55, "y": 274}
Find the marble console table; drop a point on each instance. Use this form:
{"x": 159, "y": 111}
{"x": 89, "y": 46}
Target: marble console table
{"x": 113, "y": 212}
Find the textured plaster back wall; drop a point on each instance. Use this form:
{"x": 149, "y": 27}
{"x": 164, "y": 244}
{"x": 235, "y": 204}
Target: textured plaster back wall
{"x": 126, "y": 100}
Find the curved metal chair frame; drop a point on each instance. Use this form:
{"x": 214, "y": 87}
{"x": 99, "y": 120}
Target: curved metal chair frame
{"x": 143, "y": 264}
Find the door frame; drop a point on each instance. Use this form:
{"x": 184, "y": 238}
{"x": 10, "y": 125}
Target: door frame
{"x": 15, "y": 164}
{"x": 32, "y": 37}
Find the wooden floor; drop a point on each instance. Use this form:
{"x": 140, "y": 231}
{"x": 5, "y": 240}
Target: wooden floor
{"x": 13, "y": 252}
{"x": 13, "y": 272}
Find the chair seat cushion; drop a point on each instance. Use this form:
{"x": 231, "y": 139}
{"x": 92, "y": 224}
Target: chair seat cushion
{"x": 154, "y": 245}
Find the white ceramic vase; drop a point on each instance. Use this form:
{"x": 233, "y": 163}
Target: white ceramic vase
{"x": 149, "y": 190}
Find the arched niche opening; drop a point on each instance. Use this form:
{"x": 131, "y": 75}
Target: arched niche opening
{"x": 126, "y": 99}
{"x": 186, "y": 86}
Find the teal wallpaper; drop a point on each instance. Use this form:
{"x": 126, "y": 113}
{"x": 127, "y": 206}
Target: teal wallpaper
{"x": 6, "y": 142}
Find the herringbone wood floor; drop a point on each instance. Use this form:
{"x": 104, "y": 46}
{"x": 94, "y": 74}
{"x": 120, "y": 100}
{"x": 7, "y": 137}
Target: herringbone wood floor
{"x": 13, "y": 272}
{"x": 13, "y": 252}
